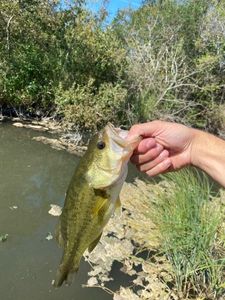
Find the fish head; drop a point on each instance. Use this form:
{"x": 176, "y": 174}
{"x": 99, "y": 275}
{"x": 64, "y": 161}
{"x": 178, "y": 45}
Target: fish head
{"x": 111, "y": 151}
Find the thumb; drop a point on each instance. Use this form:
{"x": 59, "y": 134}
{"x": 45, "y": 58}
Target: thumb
{"x": 145, "y": 129}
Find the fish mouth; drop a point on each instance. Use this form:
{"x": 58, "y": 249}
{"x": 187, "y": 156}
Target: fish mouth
{"x": 117, "y": 154}
{"x": 119, "y": 136}
{"x": 121, "y": 146}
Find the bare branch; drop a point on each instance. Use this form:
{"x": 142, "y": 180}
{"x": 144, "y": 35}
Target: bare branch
{"x": 8, "y": 33}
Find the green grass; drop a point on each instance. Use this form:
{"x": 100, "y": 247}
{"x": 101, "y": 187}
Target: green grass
{"x": 189, "y": 221}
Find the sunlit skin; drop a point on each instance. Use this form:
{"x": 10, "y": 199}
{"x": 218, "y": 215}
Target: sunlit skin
{"x": 170, "y": 146}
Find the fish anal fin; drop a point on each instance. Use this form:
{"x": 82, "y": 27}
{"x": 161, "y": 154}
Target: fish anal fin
{"x": 94, "y": 243}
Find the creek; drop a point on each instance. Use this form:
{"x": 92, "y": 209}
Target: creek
{"x": 33, "y": 176}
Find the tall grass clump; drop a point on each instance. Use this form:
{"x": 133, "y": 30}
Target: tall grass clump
{"x": 189, "y": 223}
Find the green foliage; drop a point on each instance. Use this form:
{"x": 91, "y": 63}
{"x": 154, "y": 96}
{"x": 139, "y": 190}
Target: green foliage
{"x": 189, "y": 223}
{"x": 62, "y": 59}
{"x": 88, "y": 108}
{"x": 27, "y": 44}
{"x": 165, "y": 60}
{"x": 175, "y": 61}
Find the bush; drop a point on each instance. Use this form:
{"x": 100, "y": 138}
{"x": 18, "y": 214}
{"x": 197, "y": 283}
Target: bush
{"x": 175, "y": 54}
{"x": 163, "y": 61}
{"x": 86, "y": 108}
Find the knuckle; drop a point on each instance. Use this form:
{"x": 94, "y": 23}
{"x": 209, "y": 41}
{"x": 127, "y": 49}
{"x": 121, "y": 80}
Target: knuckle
{"x": 134, "y": 128}
{"x": 150, "y": 173}
{"x": 163, "y": 155}
{"x": 157, "y": 122}
{"x": 153, "y": 153}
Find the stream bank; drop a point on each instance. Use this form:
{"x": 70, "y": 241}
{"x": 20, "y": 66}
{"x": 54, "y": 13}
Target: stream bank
{"x": 62, "y": 138}
{"x": 131, "y": 240}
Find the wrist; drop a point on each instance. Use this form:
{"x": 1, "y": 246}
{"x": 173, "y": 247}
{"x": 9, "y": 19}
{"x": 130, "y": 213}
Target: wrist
{"x": 208, "y": 154}
{"x": 198, "y": 145}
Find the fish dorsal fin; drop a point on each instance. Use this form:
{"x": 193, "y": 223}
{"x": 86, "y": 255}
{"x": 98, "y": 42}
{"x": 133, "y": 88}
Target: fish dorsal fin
{"x": 94, "y": 243}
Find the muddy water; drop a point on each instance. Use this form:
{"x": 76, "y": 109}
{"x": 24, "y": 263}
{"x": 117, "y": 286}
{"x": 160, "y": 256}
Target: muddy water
{"x": 33, "y": 176}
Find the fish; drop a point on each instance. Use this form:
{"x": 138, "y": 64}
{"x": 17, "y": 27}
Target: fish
{"x": 92, "y": 197}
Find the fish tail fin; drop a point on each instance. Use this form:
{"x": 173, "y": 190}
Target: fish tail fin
{"x": 64, "y": 274}
{"x": 69, "y": 278}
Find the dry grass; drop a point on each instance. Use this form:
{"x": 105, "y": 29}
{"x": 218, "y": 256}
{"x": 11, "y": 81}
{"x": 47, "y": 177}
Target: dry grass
{"x": 127, "y": 236}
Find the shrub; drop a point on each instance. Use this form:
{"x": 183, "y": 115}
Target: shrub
{"x": 86, "y": 108}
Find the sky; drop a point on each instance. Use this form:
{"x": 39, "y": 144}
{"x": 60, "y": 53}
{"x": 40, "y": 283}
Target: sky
{"x": 114, "y": 5}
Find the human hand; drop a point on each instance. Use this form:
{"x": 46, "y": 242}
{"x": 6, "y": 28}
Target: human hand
{"x": 165, "y": 146}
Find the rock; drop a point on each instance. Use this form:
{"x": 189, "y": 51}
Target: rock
{"x": 13, "y": 207}
{"x": 18, "y": 124}
{"x": 36, "y": 127}
{"x": 31, "y": 126}
{"x": 54, "y": 143}
{"x": 92, "y": 281}
{"x": 59, "y": 145}
{"x": 49, "y": 236}
{"x": 4, "y": 119}
{"x": 55, "y": 210}
{"x": 70, "y": 142}
{"x": 16, "y": 119}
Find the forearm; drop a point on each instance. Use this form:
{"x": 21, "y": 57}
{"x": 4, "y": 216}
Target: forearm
{"x": 208, "y": 153}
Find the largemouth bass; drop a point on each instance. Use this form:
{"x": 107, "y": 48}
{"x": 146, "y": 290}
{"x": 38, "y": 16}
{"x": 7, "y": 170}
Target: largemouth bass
{"x": 92, "y": 197}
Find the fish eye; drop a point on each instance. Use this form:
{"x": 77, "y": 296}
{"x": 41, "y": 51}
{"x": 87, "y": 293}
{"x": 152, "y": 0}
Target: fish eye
{"x": 101, "y": 145}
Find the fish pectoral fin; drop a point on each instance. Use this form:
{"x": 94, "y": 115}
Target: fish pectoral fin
{"x": 118, "y": 210}
{"x": 94, "y": 243}
{"x": 100, "y": 204}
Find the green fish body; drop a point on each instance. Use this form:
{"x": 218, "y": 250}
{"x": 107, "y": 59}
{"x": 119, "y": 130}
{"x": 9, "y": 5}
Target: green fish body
{"x": 92, "y": 197}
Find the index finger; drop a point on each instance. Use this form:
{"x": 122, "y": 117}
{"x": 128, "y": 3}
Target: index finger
{"x": 145, "y": 145}
{"x": 144, "y": 129}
